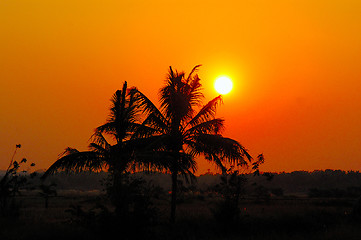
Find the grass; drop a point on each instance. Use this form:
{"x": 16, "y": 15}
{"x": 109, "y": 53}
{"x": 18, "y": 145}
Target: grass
{"x": 278, "y": 218}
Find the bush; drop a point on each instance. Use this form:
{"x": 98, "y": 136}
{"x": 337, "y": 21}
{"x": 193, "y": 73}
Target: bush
{"x": 132, "y": 198}
{"x": 231, "y": 188}
{"x": 10, "y": 184}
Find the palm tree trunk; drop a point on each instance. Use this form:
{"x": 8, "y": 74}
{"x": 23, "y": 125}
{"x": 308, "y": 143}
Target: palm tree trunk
{"x": 174, "y": 196}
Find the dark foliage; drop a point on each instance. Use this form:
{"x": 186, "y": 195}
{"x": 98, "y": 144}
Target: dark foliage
{"x": 178, "y": 132}
{"x": 231, "y": 188}
{"x": 135, "y": 212}
{"x": 10, "y": 185}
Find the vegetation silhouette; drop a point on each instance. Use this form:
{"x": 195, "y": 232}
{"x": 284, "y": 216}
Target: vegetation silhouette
{"x": 177, "y": 133}
{"x": 101, "y": 155}
{"x": 118, "y": 158}
{"x": 168, "y": 140}
{"x": 231, "y": 187}
{"x": 204, "y": 210}
{"x": 10, "y": 185}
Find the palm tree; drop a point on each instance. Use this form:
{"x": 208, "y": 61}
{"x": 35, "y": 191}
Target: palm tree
{"x": 117, "y": 158}
{"x": 177, "y": 134}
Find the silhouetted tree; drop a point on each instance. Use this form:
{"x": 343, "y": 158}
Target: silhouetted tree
{"x": 176, "y": 133}
{"x": 117, "y": 158}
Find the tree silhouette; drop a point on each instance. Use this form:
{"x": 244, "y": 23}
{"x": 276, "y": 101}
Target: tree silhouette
{"x": 117, "y": 158}
{"x": 176, "y": 133}
{"x": 10, "y": 185}
{"x": 102, "y": 154}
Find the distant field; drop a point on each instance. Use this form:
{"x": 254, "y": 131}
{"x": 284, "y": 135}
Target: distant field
{"x": 298, "y": 205}
{"x": 274, "y": 218}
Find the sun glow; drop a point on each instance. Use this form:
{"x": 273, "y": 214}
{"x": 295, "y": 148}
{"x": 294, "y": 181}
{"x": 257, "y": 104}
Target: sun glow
{"x": 223, "y": 85}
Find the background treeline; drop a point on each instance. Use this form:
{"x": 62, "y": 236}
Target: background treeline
{"x": 319, "y": 183}
{"x": 327, "y": 183}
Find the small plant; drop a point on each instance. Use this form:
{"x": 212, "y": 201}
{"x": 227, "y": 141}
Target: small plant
{"x": 231, "y": 189}
{"x": 10, "y": 185}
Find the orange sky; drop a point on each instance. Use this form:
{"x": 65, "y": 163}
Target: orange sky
{"x": 295, "y": 66}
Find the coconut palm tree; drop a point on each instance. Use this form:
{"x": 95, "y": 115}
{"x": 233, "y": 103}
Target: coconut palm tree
{"x": 115, "y": 155}
{"x": 177, "y": 133}
{"x": 102, "y": 154}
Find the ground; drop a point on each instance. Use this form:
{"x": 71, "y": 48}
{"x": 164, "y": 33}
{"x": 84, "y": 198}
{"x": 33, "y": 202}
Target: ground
{"x": 72, "y": 214}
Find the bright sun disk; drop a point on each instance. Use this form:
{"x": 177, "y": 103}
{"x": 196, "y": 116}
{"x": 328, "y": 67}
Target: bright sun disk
{"x": 223, "y": 85}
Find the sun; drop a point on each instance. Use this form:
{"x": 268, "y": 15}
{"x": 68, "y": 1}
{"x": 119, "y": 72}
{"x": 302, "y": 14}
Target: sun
{"x": 223, "y": 85}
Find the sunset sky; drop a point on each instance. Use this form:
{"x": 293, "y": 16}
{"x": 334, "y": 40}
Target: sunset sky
{"x": 295, "y": 66}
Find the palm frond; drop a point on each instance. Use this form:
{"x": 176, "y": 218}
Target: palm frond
{"x": 156, "y": 123}
{"x": 195, "y": 93}
{"x": 213, "y": 126}
{"x": 144, "y": 131}
{"x": 108, "y": 128}
{"x": 215, "y": 159}
{"x": 75, "y": 161}
{"x": 150, "y": 143}
{"x": 98, "y": 148}
{"x": 207, "y": 112}
{"x": 68, "y": 151}
{"x": 174, "y": 78}
{"x": 226, "y": 149}
{"x": 152, "y": 161}
{"x": 194, "y": 88}
{"x": 99, "y": 139}
{"x": 148, "y": 107}
{"x": 133, "y": 109}
{"x": 174, "y": 97}
{"x": 187, "y": 163}
{"x": 115, "y": 106}
{"x": 190, "y": 75}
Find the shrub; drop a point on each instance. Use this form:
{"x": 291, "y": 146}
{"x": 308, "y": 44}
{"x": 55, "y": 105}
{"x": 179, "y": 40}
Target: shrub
{"x": 10, "y": 184}
{"x": 231, "y": 188}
